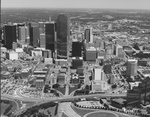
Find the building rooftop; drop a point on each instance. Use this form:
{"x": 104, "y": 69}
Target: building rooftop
{"x": 119, "y": 100}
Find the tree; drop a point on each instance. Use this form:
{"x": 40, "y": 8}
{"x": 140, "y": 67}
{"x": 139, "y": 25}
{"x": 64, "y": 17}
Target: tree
{"x": 55, "y": 86}
{"x": 46, "y": 88}
{"x": 114, "y": 86}
{"x": 87, "y": 87}
{"x": 108, "y": 81}
{"x": 87, "y": 92}
{"x": 8, "y": 109}
{"x": 90, "y": 78}
{"x": 41, "y": 114}
{"x": 79, "y": 85}
{"x": 101, "y": 101}
{"x": 129, "y": 80}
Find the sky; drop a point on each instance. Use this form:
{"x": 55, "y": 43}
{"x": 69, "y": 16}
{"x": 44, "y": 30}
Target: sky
{"x": 117, "y": 4}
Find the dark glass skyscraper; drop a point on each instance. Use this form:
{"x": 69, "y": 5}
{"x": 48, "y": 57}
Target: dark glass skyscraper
{"x": 50, "y": 35}
{"x": 63, "y": 34}
{"x": 10, "y": 35}
{"x": 34, "y": 36}
{"x": 87, "y": 35}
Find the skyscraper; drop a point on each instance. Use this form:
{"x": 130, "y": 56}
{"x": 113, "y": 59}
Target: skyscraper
{"x": 32, "y": 24}
{"x": 34, "y": 36}
{"x": 50, "y": 35}
{"x": 22, "y": 33}
{"x": 131, "y": 68}
{"x": 42, "y": 27}
{"x": 88, "y": 35}
{"x": 119, "y": 51}
{"x": 76, "y": 49}
{"x": 63, "y": 35}
{"x": 42, "y": 41}
{"x": 10, "y": 35}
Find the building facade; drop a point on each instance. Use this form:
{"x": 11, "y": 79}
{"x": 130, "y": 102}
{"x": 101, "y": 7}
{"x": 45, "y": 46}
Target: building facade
{"x": 10, "y": 36}
{"x": 22, "y": 33}
{"x": 89, "y": 35}
{"x": 50, "y": 33}
{"x": 34, "y": 36}
{"x": 131, "y": 68}
{"x": 76, "y": 49}
{"x": 63, "y": 35}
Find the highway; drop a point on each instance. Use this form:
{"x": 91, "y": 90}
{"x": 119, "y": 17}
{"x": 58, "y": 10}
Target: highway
{"x": 67, "y": 109}
{"x": 66, "y": 98}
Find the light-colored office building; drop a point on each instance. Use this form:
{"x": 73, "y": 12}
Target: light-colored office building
{"x": 131, "y": 68}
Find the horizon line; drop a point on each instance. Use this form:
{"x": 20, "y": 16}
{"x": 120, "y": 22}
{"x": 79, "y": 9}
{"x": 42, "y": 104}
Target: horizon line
{"x": 74, "y": 8}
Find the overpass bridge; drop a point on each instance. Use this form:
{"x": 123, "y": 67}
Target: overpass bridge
{"x": 65, "y": 98}
{"x": 57, "y": 99}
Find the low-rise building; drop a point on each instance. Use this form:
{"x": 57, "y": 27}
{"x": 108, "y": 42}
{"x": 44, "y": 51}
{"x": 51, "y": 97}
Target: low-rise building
{"x": 19, "y": 50}
{"x": 99, "y": 86}
{"x": 77, "y": 62}
{"x": 11, "y": 55}
{"x": 39, "y": 83}
{"x": 90, "y": 54}
{"x": 118, "y": 102}
{"x": 61, "y": 62}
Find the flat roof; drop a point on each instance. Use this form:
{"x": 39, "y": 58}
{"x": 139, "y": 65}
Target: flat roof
{"x": 119, "y": 100}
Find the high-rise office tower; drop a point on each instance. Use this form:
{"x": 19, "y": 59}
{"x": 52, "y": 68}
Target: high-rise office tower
{"x": 63, "y": 35}
{"x": 34, "y": 36}
{"x": 42, "y": 41}
{"x": 22, "y": 33}
{"x": 10, "y": 35}
{"x": 119, "y": 51}
{"x": 32, "y": 24}
{"x": 89, "y": 35}
{"x": 131, "y": 68}
{"x": 50, "y": 33}
{"x": 42, "y": 27}
{"x": 76, "y": 49}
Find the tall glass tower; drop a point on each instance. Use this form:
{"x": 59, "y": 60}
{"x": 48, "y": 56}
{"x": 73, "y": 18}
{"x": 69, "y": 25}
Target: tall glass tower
{"x": 50, "y": 35}
{"x": 10, "y": 35}
{"x": 63, "y": 34}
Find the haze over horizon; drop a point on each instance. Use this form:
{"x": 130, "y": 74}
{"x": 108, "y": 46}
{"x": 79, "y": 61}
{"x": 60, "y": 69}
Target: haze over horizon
{"x": 111, "y": 4}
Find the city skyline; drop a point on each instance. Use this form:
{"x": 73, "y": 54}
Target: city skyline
{"x": 112, "y": 4}
{"x": 60, "y": 62}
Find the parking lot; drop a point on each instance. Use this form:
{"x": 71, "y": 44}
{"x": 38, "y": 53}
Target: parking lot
{"x": 90, "y": 104}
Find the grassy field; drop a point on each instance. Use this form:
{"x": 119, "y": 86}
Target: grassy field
{"x": 3, "y": 107}
{"x": 71, "y": 89}
{"x": 41, "y": 110}
{"x": 101, "y": 114}
{"x": 83, "y": 112}
{"x": 61, "y": 89}
{"x": 64, "y": 115}
{"x": 6, "y": 105}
